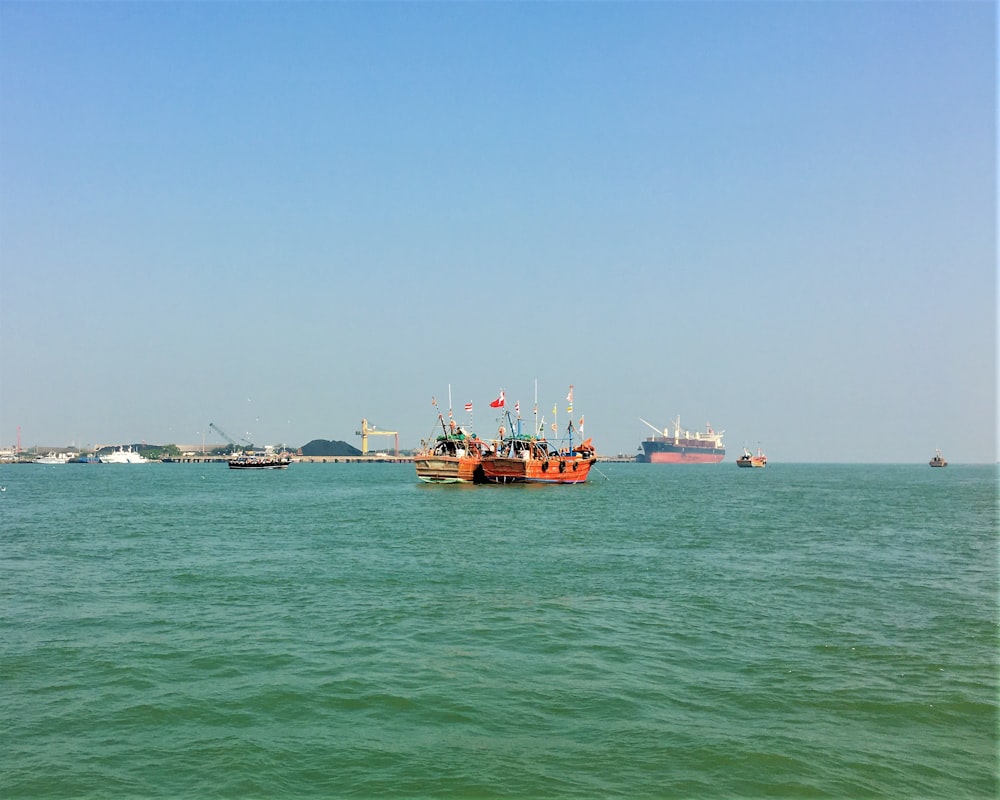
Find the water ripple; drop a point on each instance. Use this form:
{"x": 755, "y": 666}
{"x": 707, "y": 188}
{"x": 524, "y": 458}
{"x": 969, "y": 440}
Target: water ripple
{"x": 346, "y": 632}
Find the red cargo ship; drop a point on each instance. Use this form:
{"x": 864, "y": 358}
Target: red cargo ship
{"x": 682, "y": 447}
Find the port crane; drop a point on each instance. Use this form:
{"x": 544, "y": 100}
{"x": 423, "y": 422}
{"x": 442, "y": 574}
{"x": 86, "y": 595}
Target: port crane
{"x": 369, "y": 430}
{"x": 232, "y": 442}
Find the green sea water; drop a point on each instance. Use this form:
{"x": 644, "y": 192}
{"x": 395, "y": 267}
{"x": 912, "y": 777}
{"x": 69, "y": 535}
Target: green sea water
{"x": 339, "y": 630}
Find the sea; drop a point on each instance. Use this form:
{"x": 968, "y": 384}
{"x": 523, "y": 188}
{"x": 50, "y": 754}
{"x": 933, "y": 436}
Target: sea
{"x": 342, "y": 631}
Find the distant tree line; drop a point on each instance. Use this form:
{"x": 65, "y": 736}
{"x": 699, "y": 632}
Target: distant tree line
{"x": 317, "y": 447}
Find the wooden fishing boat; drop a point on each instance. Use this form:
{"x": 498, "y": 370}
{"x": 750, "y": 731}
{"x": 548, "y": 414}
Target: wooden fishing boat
{"x": 453, "y": 457}
{"x": 750, "y": 460}
{"x": 529, "y": 459}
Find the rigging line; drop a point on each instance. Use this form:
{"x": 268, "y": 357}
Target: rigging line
{"x": 430, "y": 439}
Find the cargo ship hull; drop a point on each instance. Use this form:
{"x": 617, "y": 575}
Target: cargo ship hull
{"x": 683, "y": 447}
{"x": 673, "y": 454}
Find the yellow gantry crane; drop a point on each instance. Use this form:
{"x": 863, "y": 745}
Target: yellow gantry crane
{"x": 367, "y": 431}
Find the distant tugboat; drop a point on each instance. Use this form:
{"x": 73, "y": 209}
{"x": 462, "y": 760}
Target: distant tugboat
{"x": 750, "y": 460}
{"x": 938, "y": 461}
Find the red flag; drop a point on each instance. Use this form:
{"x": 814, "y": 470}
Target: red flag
{"x": 468, "y": 407}
{"x": 499, "y": 402}
{"x": 517, "y": 407}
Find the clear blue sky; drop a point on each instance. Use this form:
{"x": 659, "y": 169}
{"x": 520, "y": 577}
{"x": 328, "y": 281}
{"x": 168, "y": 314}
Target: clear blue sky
{"x": 779, "y": 218}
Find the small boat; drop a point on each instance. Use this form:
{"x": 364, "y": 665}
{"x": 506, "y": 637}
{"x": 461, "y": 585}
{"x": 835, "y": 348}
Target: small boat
{"x": 122, "y": 455}
{"x": 260, "y": 461}
{"x": 54, "y": 458}
{"x": 750, "y": 460}
{"x": 454, "y": 457}
{"x": 85, "y": 459}
{"x": 938, "y": 460}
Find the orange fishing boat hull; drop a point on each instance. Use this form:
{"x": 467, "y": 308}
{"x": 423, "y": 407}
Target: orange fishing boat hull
{"x": 448, "y": 469}
{"x": 562, "y": 469}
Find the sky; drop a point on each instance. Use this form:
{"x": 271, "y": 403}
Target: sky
{"x": 775, "y": 218}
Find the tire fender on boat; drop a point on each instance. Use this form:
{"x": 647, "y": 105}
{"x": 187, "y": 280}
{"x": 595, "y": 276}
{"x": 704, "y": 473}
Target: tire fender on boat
{"x": 562, "y": 466}
{"x": 545, "y": 466}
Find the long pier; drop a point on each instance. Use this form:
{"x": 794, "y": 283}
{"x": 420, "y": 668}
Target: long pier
{"x": 207, "y": 459}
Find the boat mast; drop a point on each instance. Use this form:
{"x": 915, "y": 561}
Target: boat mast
{"x": 569, "y": 412}
{"x": 510, "y": 423}
{"x": 535, "y": 431}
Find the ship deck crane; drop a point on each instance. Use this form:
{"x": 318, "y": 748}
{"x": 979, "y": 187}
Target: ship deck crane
{"x": 233, "y": 443}
{"x": 709, "y": 433}
{"x": 658, "y": 431}
{"x": 369, "y": 430}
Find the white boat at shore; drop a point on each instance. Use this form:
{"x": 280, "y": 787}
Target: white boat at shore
{"x": 54, "y": 458}
{"x": 122, "y": 455}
